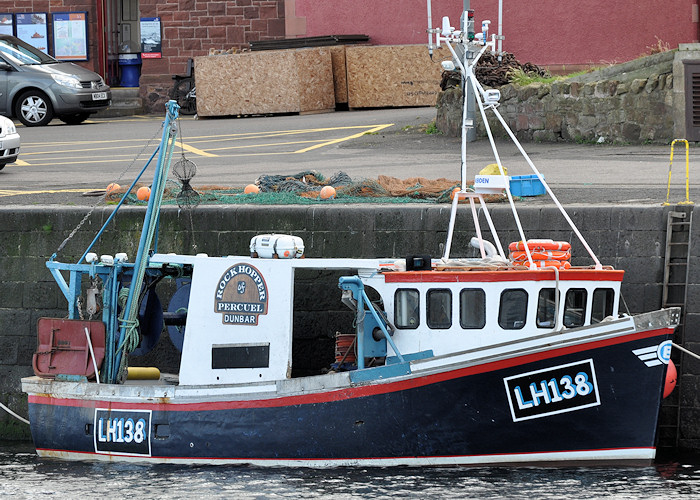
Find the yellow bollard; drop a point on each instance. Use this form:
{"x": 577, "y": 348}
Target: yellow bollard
{"x": 687, "y": 174}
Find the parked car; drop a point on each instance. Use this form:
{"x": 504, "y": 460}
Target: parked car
{"x": 35, "y": 87}
{"x": 9, "y": 142}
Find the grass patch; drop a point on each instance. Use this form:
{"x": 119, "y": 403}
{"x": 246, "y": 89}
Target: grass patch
{"x": 431, "y": 128}
{"x": 522, "y": 78}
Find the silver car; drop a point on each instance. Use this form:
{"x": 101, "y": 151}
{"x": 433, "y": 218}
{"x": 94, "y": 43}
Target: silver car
{"x": 9, "y": 142}
{"x": 35, "y": 87}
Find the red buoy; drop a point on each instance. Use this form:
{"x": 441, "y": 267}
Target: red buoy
{"x": 671, "y": 379}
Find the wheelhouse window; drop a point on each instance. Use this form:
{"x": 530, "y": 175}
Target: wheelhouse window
{"x": 439, "y": 308}
{"x": 546, "y": 312}
{"x": 603, "y": 302}
{"x": 575, "y": 307}
{"x": 407, "y": 309}
{"x": 512, "y": 313}
{"x": 472, "y": 308}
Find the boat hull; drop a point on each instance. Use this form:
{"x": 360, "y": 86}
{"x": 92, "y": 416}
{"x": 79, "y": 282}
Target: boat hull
{"x": 585, "y": 405}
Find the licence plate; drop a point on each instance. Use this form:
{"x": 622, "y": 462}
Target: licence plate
{"x": 99, "y": 96}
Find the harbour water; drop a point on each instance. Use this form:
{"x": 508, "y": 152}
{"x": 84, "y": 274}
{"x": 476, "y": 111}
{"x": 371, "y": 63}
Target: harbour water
{"x": 24, "y": 475}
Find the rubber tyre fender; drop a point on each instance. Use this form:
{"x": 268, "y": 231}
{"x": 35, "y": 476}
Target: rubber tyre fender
{"x": 33, "y": 108}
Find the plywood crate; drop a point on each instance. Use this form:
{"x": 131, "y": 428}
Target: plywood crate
{"x": 275, "y": 81}
{"x": 340, "y": 74}
{"x": 392, "y": 76}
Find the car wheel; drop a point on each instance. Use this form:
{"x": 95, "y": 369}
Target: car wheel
{"x": 33, "y": 108}
{"x": 74, "y": 119}
{"x": 2, "y": 165}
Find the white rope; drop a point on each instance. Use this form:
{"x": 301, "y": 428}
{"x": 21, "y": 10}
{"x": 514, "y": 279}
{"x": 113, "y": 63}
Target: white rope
{"x": 683, "y": 349}
{"x": 14, "y": 414}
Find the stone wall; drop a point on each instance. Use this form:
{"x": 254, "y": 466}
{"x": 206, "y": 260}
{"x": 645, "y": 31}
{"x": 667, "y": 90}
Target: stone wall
{"x": 630, "y": 238}
{"x": 631, "y": 104}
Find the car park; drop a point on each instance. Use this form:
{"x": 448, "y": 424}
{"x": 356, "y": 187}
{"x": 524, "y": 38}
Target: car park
{"x": 35, "y": 87}
{"x": 9, "y": 142}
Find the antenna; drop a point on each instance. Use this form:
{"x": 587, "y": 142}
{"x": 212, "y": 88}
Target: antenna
{"x": 430, "y": 30}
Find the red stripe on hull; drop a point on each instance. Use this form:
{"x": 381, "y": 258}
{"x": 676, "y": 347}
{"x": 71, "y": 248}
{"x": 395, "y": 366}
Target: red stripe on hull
{"x": 350, "y": 392}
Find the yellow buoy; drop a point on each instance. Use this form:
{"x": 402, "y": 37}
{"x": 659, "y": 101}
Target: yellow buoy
{"x": 142, "y": 373}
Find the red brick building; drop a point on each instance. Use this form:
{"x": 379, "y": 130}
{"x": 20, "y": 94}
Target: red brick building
{"x": 548, "y": 32}
{"x": 188, "y": 28}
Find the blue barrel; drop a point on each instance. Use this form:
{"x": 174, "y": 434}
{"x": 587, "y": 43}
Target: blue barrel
{"x": 130, "y": 65}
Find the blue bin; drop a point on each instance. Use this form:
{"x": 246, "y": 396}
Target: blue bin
{"x": 526, "y": 185}
{"x": 130, "y": 66}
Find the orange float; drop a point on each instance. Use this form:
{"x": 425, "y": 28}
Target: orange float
{"x": 671, "y": 379}
{"x": 328, "y": 192}
{"x": 143, "y": 193}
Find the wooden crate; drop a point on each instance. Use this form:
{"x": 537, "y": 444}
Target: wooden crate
{"x": 275, "y": 81}
{"x": 340, "y": 74}
{"x": 392, "y": 75}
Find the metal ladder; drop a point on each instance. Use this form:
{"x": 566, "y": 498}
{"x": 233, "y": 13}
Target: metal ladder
{"x": 675, "y": 293}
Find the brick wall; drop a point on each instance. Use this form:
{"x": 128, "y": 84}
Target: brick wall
{"x": 189, "y": 28}
{"x": 193, "y": 27}
{"x": 52, "y": 6}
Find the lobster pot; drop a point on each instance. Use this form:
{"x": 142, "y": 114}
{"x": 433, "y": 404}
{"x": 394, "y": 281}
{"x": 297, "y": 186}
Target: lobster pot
{"x": 277, "y": 246}
{"x": 344, "y": 348}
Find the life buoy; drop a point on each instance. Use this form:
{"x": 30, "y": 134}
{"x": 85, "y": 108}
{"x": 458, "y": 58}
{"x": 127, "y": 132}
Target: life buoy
{"x": 540, "y": 245}
{"x": 521, "y": 255}
{"x": 559, "y": 264}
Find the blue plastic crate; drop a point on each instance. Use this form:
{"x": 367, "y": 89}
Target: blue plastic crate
{"x": 526, "y": 185}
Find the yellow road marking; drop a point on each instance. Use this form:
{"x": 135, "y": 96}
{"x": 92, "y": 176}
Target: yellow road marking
{"x": 208, "y": 152}
{"x": 193, "y": 150}
{"x": 9, "y": 192}
{"x": 342, "y": 139}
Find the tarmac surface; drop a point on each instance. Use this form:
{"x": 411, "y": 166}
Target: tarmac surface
{"x": 59, "y": 163}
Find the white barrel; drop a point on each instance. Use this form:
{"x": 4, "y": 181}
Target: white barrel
{"x": 279, "y": 246}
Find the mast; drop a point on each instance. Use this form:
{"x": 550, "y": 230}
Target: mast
{"x": 128, "y": 333}
{"x": 487, "y": 100}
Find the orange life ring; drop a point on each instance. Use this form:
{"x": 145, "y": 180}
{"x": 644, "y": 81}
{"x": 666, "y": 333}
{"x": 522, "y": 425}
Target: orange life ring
{"x": 559, "y": 264}
{"x": 521, "y": 255}
{"x": 540, "y": 245}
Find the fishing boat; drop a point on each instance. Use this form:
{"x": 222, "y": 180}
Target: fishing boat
{"x": 508, "y": 357}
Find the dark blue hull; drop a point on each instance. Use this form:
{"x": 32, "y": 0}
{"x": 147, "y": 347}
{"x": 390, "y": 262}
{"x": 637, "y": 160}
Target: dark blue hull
{"x": 592, "y": 402}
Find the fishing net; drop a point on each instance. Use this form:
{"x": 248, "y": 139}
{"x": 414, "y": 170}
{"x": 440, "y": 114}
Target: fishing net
{"x": 304, "y": 188}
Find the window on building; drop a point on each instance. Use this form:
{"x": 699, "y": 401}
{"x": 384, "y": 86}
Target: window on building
{"x": 472, "y": 308}
{"x": 603, "y": 302}
{"x": 512, "y": 313}
{"x": 575, "y": 307}
{"x": 407, "y": 309}
{"x": 546, "y": 312}
{"x": 439, "y": 308}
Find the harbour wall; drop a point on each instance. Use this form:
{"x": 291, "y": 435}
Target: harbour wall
{"x": 632, "y": 238}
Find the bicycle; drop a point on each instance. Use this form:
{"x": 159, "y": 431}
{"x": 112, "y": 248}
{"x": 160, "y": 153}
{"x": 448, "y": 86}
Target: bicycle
{"x": 184, "y": 91}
